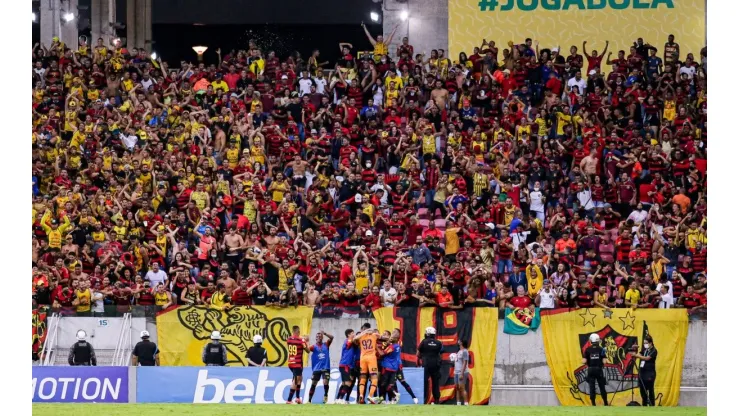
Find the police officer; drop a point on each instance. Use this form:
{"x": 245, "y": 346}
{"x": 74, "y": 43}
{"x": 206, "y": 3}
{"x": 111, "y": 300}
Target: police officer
{"x": 82, "y": 352}
{"x": 595, "y": 358}
{"x": 214, "y": 353}
{"x": 145, "y": 352}
{"x": 429, "y": 353}
{"x": 256, "y": 355}
{"x": 647, "y": 371}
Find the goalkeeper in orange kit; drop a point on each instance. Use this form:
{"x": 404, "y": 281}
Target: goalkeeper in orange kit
{"x": 367, "y": 341}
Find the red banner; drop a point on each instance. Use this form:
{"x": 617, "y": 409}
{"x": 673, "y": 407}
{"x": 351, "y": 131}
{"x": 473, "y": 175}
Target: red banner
{"x": 38, "y": 330}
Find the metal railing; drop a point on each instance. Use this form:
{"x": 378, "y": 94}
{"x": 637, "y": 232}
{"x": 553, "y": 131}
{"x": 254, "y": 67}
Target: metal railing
{"x": 123, "y": 345}
{"x": 48, "y": 350}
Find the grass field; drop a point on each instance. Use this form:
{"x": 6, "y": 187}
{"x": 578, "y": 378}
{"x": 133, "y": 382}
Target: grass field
{"x": 320, "y": 410}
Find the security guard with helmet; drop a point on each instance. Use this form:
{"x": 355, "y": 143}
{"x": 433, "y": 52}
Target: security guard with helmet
{"x": 82, "y": 352}
{"x": 256, "y": 354}
{"x": 430, "y": 355}
{"x": 595, "y": 358}
{"x": 214, "y": 353}
{"x": 145, "y": 352}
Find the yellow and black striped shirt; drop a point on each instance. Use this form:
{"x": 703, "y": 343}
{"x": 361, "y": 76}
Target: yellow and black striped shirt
{"x": 480, "y": 183}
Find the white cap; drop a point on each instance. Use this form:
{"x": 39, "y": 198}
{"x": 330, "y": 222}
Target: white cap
{"x": 594, "y": 338}
{"x": 215, "y": 335}
{"x": 257, "y": 339}
{"x": 556, "y": 49}
{"x": 81, "y": 335}
{"x": 453, "y": 357}
{"x": 369, "y": 233}
{"x": 430, "y": 331}
{"x": 358, "y": 198}
{"x": 592, "y": 72}
{"x": 145, "y": 334}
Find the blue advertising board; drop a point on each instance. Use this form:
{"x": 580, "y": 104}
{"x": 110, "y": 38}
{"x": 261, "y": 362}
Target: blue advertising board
{"x": 242, "y": 385}
{"x": 80, "y": 384}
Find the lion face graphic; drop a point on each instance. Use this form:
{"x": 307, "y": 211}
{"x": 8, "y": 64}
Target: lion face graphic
{"x": 238, "y": 326}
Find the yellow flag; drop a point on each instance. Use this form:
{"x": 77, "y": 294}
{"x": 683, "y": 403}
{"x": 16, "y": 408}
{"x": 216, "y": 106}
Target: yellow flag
{"x": 565, "y": 335}
{"x": 182, "y": 332}
{"x": 477, "y": 326}
{"x": 567, "y": 24}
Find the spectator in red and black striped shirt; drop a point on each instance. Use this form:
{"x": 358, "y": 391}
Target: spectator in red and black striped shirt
{"x": 623, "y": 246}
{"x": 242, "y": 295}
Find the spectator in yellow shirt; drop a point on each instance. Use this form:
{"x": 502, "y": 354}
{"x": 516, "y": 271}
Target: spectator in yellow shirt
{"x": 632, "y": 296}
{"x": 219, "y": 300}
{"x": 220, "y": 84}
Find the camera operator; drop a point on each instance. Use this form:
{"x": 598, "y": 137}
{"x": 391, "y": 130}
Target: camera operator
{"x": 595, "y": 358}
{"x": 647, "y": 371}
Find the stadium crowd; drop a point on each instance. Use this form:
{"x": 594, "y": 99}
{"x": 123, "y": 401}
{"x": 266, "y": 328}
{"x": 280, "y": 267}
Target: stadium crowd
{"x": 530, "y": 176}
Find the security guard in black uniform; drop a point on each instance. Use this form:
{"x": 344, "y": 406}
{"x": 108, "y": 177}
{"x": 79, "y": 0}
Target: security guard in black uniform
{"x": 214, "y": 353}
{"x": 595, "y": 358}
{"x": 256, "y": 355}
{"x": 145, "y": 352}
{"x": 429, "y": 352}
{"x": 647, "y": 374}
{"x": 82, "y": 352}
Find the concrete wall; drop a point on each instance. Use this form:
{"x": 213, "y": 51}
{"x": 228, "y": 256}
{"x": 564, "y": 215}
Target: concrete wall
{"x": 426, "y": 26}
{"x": 336, "y": 327}
{"x": 695, "y": 356}
{"x": 139, "y": 24}
{"x": 102, "y": 333}
{"x": 521, "y": 375}
{"x": 545, "y": 396}
{"x": 101, "y": 16}
{"x": 520, "y": 360}
{"x": 51, "y": 23}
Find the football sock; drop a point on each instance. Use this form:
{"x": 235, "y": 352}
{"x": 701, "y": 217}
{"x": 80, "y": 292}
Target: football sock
{"x": 373, "y": 388}
{"x": 340, "y": 393}
{"x": 408, "y": 389}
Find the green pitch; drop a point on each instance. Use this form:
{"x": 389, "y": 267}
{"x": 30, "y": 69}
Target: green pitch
{"x": 344, "y": 410}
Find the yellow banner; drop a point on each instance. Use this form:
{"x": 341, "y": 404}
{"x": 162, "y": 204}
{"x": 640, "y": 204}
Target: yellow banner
{"x": 567, "y": 23}
{"x": 477, "y": 326}
{"x": 565, "y": 335}
{"x": 182, "y": 332}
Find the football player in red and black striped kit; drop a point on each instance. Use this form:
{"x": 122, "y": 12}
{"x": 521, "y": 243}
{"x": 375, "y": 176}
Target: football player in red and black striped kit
{"x": 297, "y": 345}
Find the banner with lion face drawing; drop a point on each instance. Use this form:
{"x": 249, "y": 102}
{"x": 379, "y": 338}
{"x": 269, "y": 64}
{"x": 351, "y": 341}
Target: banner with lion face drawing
{"x": 622, "y": 331}
{"x": 182, "y": 332}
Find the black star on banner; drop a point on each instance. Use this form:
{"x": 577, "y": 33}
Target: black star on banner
{"x": 628, "y": 321}
{"x": 588, "y": 318}
{"x": 607, "y": 313}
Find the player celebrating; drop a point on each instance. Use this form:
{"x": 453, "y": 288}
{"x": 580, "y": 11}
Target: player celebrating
{"x": 399, "y": 374}
{"x": 379, "y": 352}
{"x": 346, "y": 367}
{"x": 390, "y": 361}
{"x": 320, "y": 364}
{"x": 368, "y": 340}
{"x": 297, "y": 345}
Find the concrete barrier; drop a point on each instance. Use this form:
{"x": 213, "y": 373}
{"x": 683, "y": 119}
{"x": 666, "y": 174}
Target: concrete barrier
{"x": 521, "y": 375}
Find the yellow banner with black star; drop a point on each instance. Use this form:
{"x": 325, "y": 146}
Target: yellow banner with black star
{"x": 565, "y": 334}
{"x": 477, "y": 326}
{"x": 182, "y": 332}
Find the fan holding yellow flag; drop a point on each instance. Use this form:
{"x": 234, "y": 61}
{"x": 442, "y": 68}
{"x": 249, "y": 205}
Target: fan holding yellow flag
{"x": 566, "y": 336}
